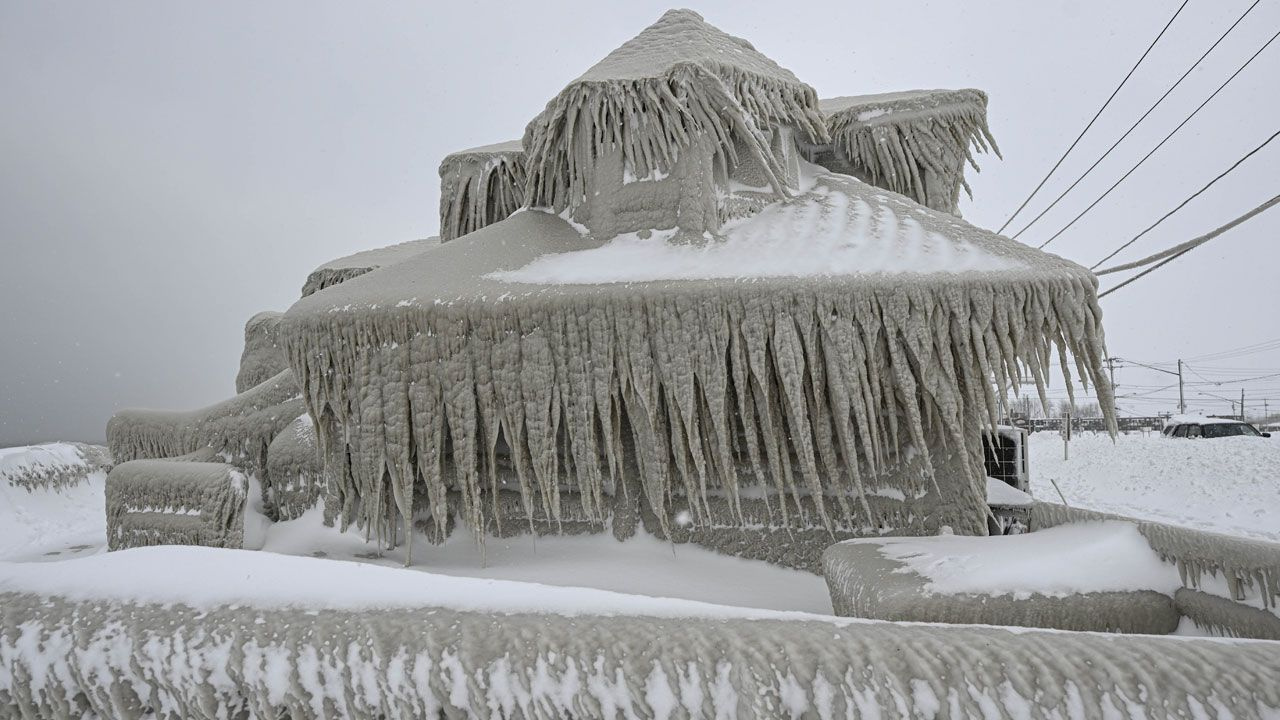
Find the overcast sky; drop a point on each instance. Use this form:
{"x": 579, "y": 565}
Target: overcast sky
{"x": 170, "y": 169}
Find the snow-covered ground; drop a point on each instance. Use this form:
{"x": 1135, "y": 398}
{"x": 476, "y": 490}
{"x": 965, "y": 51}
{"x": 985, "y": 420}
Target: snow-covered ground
{"x": 643, "y": 565}
{"x": 1229, "y": 485}
{"x": 1226, "y": 485}
{"x": 39, "y": 522}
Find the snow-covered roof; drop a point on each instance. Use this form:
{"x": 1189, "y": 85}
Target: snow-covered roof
{"x": 839, "y": 227}
{"x": 1201, "y": 419}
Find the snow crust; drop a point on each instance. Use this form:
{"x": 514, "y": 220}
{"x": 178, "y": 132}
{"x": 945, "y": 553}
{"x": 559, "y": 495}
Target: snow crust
{"x": 1060, "y": 561}
{"x": 832, "y": 230}
{"x": 1227, "y": 485}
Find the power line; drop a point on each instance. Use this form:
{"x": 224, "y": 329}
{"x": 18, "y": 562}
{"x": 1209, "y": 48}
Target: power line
{"x": 1096, "y": 115}
{"x": 1162, "y": 142}
{"x": 1243, "y": 350}
{"x": 1138, "y": 122}
{"x": 1181, "y": 249}
{"x": 1184, "y": 202}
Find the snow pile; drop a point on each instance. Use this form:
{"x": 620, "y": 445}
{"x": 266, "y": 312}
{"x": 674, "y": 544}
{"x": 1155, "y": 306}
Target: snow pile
{"x": 1228, "y": 485}
{"x": 1057, "y": 562}
{"x": 840, "y": 227}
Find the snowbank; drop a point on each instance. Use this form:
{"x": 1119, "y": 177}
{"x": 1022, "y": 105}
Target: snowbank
{"x": 206, "y": 578}
{"x": 1227, "y": 485}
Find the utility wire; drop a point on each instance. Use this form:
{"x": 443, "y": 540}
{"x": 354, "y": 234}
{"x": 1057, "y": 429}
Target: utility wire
{"x": 1178, "y": 251}
{"x": 1095, "y": 116}
{"x": 1138, "y": 122}
{"x": 1183, "y": 204}
{"x": 1162, "y": 142}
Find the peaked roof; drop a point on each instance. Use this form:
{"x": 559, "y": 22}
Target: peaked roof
{"x": 680, "y": 37}
{"x": 678, "y": 78}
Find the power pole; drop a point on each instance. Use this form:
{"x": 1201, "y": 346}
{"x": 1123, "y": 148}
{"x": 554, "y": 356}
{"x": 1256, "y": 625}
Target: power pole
{"x": 1182, "y": 403}
{"x": 1241, "y": 404}
{"x": 1111, "y": 369}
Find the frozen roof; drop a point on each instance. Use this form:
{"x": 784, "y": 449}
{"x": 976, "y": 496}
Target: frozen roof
{"x": 480, "y": 186}
{"x": 681, "y": 37}
{"x": 678, "y": 78}
{"x": 345, "y": 268}
{"x": 899, "y": 138}
{"x": 893, "y": 107}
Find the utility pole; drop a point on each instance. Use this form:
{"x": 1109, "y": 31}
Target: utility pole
{"x": 1182, "y": 402}
{"x": 1242, "y": 405}
{"x": 1111, "y": 369}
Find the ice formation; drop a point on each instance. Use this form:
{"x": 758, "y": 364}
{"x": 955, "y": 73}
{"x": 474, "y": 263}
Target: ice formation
{"x": 175, "y": 502}
{"x": 915, "y": 143}
{"x": 445, "y": 382}
{"x": 479, "y": 187}
{"x": 1230, "y": 584}
{"x": 262, "y": 357}
{"x": 683, "y": 103}
{"x": 172, "y": 660}
{"x": 239, "y": 429}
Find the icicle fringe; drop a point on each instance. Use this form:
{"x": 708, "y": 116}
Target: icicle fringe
{"x": 480, "y": 187}
{"x": 650, "y": 118}
{"x": 814, "y": 393}
{"x": 929, "y": 133}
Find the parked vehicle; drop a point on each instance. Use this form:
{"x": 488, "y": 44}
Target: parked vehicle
{"x": 1207, "y": 427}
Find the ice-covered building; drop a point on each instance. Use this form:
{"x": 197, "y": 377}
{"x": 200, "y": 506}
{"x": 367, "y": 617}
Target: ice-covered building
{"x": 689, "y": 326}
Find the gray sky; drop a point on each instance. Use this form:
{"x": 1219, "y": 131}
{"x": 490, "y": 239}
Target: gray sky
{"x": 171, "y": 169}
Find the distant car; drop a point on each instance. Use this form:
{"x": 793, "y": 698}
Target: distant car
{"x": 1203, "y": 427}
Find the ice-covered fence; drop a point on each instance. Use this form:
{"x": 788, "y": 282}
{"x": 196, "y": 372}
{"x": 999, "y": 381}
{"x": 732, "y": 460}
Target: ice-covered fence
{"x": 65, "y": 659}
{"x": 1231, "y": 584}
